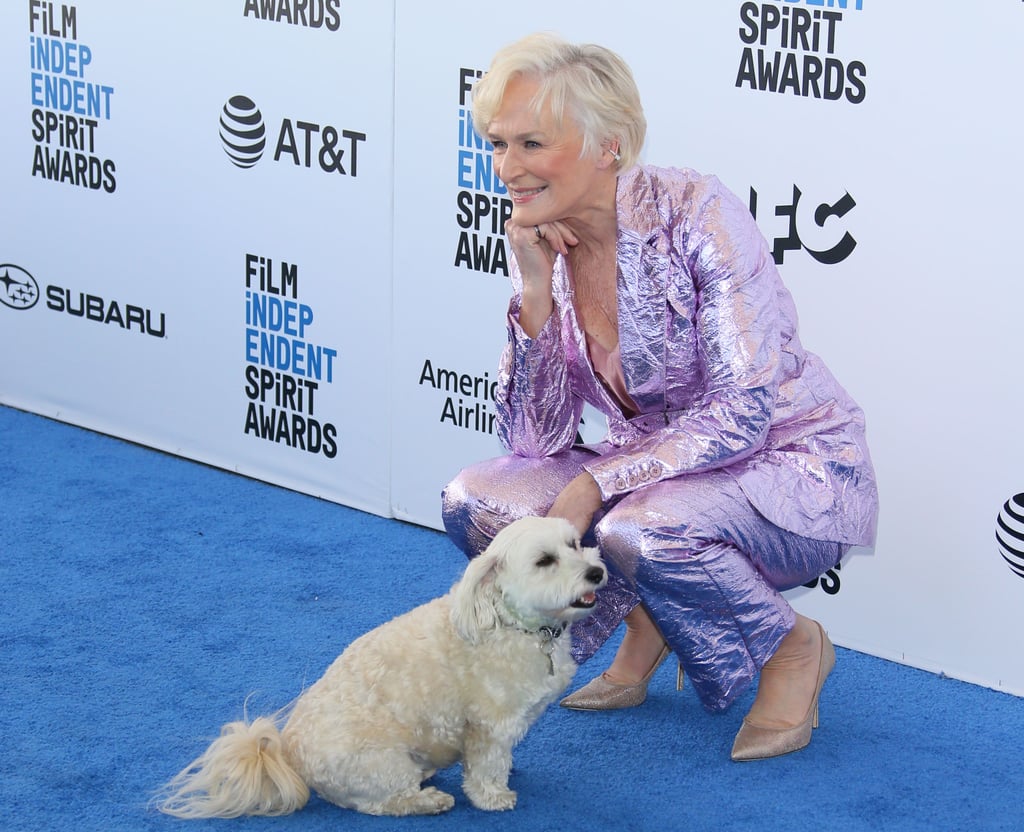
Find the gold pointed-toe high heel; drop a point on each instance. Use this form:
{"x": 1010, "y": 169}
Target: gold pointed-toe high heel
{"x": 756, "y": 742}
{"x": 602, "y": 695}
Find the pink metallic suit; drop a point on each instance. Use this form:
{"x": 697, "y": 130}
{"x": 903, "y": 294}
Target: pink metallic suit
{"x": 745, "y": 471}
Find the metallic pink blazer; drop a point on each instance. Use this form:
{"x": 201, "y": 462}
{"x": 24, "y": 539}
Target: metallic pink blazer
{"x": 711, "y": 358}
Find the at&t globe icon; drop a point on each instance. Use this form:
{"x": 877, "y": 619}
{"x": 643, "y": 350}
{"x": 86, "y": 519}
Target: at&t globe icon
{"x": 1010, "y": 533}
{"x": 242, "y": 131}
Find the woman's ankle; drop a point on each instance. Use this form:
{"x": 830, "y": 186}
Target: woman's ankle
{"x": 640, "y": 650}
{"x": 787, "y": 682}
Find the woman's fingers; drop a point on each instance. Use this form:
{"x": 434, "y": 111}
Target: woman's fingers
{"x": 549, "y": 237}
{"x": 557, "y": 235}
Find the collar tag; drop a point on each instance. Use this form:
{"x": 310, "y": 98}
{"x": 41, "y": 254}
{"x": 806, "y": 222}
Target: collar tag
{"x": 547, "y": 644}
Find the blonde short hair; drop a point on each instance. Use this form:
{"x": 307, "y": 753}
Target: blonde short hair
{"x": 587, "y": 83}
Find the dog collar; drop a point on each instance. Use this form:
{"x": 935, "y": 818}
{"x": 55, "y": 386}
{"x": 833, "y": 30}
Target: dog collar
{"x": 546, "y": 633}
{"x": 548, "y": 636}
{"x": 550, "y": 633}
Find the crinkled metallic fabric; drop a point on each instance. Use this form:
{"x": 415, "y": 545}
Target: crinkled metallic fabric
{"x": 746, "y": 471}
{"x": 706, "y": 564}
{"x": 710, "y": 569}
{"x": 711, "y": 356}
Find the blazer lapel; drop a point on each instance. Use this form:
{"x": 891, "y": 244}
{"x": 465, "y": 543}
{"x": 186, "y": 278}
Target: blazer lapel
{"x": 642, "y": 297}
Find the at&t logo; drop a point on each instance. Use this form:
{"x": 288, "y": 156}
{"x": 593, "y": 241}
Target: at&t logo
{"x": 306, "y": 144}
{"x": 1010, "y": 533}
{"x": 242, "y": 131}
{"x": 18, "y": 289}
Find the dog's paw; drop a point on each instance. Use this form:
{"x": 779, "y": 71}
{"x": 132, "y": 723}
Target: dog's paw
{"x": 433, "y": 801}
{"x": 428, "y": 801}
{"x": 492, "y": 798}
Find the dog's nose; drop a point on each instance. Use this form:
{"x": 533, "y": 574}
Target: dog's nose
{"x": 595, "y": 574}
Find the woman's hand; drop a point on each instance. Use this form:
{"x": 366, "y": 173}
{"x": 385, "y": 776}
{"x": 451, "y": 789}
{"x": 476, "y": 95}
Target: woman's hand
{"x": 536, "y": 245}
{"x": 578, "y": 502}
{"x": 535, "y": 248}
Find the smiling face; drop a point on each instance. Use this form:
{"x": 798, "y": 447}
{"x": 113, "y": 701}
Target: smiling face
{"x": 539, "y": 160}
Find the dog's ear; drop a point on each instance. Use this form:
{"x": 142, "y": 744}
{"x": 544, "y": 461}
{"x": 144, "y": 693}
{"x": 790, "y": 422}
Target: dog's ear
{"x": 473, "y": 598}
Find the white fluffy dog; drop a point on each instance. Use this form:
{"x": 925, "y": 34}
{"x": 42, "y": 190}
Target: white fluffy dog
{"x": 460, "y": 678}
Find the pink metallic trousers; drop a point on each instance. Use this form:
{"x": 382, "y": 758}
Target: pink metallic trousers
{"x": 707, "y": 567}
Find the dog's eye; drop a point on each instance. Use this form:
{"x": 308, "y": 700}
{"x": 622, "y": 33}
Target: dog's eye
{"x": 547, "y": 559}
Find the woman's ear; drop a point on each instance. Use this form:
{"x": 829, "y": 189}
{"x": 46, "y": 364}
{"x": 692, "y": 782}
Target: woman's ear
{"x": 610, "y": 155}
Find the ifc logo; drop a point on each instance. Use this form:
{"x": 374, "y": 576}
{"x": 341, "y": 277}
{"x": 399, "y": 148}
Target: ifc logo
{"x": 1010, "y": 533}
{"x": 18, "y": 289}
{"x": 242, "y": 131}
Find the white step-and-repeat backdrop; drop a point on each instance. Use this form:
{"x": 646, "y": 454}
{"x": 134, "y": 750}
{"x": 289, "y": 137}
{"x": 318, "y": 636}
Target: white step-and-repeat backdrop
{"x": 262, "y": 234}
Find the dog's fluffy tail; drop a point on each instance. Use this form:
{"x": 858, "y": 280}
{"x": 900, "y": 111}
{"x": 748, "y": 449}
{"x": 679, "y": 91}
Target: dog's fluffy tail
{"x": 243, "y": 772}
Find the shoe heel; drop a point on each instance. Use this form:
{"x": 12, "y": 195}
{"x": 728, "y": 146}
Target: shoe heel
{"x": 814, "y": 719}
{"x": 680, "y": 677}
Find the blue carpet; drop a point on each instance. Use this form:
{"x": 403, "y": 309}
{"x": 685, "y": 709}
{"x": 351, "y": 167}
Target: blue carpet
{"x": 146, "y": 596}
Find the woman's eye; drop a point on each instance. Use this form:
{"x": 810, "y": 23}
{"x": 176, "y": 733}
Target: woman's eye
{"x": 498, "y": 146}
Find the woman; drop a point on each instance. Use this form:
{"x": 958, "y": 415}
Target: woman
{"x": 734, "y": 467}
